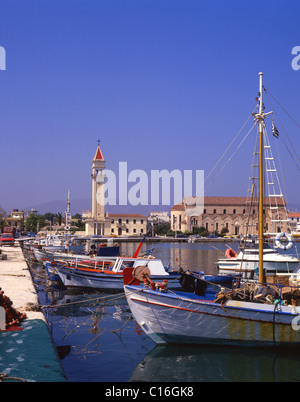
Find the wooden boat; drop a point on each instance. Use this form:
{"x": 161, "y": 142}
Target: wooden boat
{"x": 182, "y": 317}
{"x": 106, "y": 273}
{"x": 42, "y": 254}
{"x": 250, "y": 314}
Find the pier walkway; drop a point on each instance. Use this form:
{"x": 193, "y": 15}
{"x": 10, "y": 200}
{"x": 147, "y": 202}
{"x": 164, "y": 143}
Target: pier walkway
{"x": 28, "y": 354}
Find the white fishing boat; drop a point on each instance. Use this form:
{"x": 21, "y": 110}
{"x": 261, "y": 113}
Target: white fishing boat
{"x": 253, "y": 313}
{"x": 245, "y": 262}
{"x": 45, "y": 255}
{"x": 103, "y": 250}
{"x": 180, "y": 317}
{"x": 51, "y": 242}
{"x": 106, "y": 273}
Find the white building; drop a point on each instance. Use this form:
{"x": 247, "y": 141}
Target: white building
{"x": 159, "y": 217}
{"x": 294, "y": 221}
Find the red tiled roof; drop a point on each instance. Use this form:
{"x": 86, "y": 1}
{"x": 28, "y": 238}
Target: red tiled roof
{"x": 240, "y": 201}
{"x": 178, "y": 207}
{"x": 294, "y": 215}
{"x": 231, "y": 201}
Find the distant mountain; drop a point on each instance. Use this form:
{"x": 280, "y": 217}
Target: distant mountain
{"x": 77, "y": 206}
{"x": 293, "y": 207}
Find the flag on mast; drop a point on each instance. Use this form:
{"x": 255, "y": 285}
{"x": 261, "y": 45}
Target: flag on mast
{"x": 274, "y": 130}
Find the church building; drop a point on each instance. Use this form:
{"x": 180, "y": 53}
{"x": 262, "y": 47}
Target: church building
{"x": 235, "y": 214}
{"x": 98, "y": 222}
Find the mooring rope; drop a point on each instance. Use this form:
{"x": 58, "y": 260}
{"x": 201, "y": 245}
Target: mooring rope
{"x": 5, "y": 377}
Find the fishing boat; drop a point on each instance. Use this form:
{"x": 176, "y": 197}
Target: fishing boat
{"x": 252, "y": 313}
{"x": 101, "y": 272}
{"x": 106, "y": 272}
{"x": 100, "y": 250}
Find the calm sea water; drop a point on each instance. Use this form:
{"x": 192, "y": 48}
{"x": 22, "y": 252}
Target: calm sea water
{"x": 98, "y": 339}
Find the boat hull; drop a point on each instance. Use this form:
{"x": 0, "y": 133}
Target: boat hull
{"x": 247, "y": 266}
{"x": 167, "y": 318}
{"x": 40, "y": 253}
{"x": 87, "y": 279}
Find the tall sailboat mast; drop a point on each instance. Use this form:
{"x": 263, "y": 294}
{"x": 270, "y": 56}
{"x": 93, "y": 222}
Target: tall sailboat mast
{"x": 260, "y": 118}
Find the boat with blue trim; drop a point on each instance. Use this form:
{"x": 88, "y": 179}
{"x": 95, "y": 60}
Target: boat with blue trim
{"x": 251, "y": 313}
{"x": 106, "y": 273}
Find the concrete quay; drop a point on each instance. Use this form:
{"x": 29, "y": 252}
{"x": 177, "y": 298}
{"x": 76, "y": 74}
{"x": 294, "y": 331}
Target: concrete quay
{"x": 28, "y": 354}
{"x": 16, "y": 282}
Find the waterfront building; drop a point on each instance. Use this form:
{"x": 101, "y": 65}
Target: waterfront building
{"x": 99, "y": 222}
{"x": 159, "y": 217}
{"x": 16, "y": 219}
{"x": 233, "y": 213}
{"x": 294, "y": 221}
{"x": 127, "y": 224}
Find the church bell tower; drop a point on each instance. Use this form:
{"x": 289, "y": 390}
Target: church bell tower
{"x": 98, "y": 178}
{"x": 95, "y": 225}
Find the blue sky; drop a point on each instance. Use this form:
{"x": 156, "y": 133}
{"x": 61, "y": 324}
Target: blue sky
{"x": 165, "y": 84}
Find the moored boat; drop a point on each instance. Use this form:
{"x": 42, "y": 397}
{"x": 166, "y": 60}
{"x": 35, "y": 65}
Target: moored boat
{"x": 215, "y": 317}
{"x": 245, "y": 262}
{"x": 252, "y": 313}
{"x": 106, "y": 273}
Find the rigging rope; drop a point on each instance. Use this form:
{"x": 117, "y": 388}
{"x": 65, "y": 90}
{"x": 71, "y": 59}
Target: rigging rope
{"x": 224, "y": 153}
{"x": 297, "y": 156}
{"x": 243, "y": 140}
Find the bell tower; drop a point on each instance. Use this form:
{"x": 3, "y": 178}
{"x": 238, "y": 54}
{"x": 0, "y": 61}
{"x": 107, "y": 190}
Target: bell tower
{"x": 95, "y": 225}
{"x": 98, "y": 178}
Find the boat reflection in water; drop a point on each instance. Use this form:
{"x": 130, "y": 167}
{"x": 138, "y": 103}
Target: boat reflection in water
{"x": 187, "y": 364}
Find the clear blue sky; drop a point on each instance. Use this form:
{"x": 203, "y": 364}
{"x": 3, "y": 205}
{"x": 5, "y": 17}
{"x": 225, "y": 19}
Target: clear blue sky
{"x": 165, "y": 84}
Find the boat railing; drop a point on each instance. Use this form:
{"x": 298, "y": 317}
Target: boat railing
{"x": 95, "y": 264}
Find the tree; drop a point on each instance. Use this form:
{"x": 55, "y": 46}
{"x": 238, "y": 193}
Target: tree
{"x": 59, "y": 218}
{"x": 50, "y": 216}
{"x": 224, "y": 231}
{"x": 2, "y": 218}
{"x": 35, "y": 222}
{"x": 201, "y": 231}
{"x": 78, "y": 222}
{"x": 162, "y": 229}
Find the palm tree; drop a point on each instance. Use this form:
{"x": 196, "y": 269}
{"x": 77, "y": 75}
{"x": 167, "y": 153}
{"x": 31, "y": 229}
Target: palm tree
{"x": 59, "y": 218}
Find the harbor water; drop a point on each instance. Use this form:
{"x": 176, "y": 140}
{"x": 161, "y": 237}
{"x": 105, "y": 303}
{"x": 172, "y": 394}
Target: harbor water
{"x": 98, "y": 339}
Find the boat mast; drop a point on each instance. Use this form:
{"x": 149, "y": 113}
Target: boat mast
{"x": 260, "y": 118}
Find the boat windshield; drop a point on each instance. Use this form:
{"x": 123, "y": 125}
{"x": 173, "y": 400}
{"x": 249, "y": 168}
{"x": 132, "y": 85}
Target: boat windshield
{"x": 254, "y": 244}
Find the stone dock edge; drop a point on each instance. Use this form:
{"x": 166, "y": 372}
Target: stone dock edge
{"x": 28, "y": 354}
